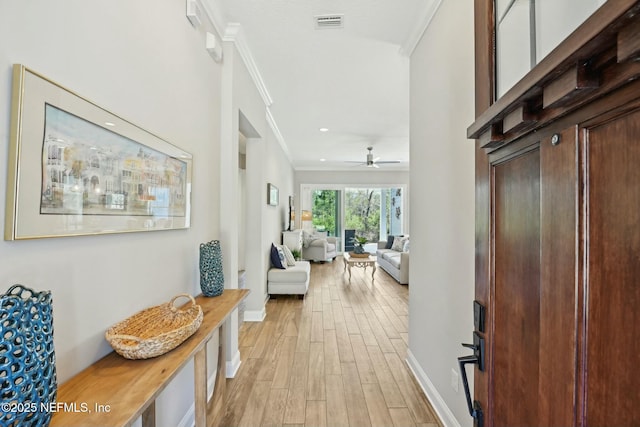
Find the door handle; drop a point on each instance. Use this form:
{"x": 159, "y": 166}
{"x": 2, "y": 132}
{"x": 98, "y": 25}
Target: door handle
{"x": 476, "y": 358}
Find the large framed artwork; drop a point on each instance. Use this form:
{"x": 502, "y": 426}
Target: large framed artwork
{"x": 77, "y": 169}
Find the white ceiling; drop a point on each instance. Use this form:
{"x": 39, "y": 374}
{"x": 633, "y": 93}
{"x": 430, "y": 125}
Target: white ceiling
{"x": 353, "y": 81}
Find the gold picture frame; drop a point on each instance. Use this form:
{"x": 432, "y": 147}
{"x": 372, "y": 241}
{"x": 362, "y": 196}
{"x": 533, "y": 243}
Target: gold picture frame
{"x": 78, "y": 169}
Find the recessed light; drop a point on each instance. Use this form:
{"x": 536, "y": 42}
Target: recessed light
{"x": 109, "y": 124}
{"x": 324, "y": 129}
{"x": 323, "y": 160}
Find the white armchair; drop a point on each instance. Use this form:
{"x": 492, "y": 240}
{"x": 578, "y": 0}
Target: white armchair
{"x": 317, "y": 248}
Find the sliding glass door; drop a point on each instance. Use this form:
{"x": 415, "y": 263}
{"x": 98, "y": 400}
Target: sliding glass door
{"x": 373, "y": 213}
{"x": 346, "y": 211}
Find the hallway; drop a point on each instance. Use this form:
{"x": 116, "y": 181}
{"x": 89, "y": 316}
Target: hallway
{"x": 335, "y": 358}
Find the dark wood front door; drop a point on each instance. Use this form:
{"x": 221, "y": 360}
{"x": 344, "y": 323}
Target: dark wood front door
{"x": 533, "y": 289}
{"x": 565, "y": 279}
{"x": 558, "y": 228}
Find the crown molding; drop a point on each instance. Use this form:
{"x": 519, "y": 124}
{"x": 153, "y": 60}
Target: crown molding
{"x": 233, "y": 33}
{"x": 214, "y": 15}
{"x": 276, "y": 131}
{"x": 425, "y": 16}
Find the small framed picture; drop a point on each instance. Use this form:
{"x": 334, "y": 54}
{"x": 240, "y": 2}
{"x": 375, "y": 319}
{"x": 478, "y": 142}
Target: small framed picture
{"x": 272, "y": 195}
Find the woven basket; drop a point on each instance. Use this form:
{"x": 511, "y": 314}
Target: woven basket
{"x": 362, "y": 255}
{"x": 156, "y": 330}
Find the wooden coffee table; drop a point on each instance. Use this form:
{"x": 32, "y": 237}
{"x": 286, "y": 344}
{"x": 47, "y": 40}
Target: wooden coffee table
{"x": 362, "y": 262}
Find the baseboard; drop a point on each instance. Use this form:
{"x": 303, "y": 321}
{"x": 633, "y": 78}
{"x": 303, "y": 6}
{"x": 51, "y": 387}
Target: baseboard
{"x": 436, "y": 400}
{"x": 255, "y": 315}
{"x": 189, "y": 419}
{"x": 211, "y": 383}
{"x": 233, "y": 365}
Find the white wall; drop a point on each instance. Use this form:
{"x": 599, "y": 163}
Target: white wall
{"x": 266, "y": 163}
{"x": 244, "y": 110}
{"x": 143, "y": 61}
{"x": 242, "y": 218}
{"x": 442, "y": 206}
{"x": 278, "y": 171}
{"x": 347, "y": 177}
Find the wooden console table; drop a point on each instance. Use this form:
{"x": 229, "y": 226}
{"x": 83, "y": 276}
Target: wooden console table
{"x": 115, "y": 391}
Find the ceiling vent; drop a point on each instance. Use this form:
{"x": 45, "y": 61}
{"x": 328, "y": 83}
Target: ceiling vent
{"x": 328, "y": 21}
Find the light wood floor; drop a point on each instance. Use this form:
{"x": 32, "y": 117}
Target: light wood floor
{"x": 336, "y": 358}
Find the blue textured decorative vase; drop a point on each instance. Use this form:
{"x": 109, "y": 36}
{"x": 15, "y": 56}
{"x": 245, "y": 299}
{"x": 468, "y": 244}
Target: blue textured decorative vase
{"x": 211, "y": 275}
{"x": 28, "y": 383}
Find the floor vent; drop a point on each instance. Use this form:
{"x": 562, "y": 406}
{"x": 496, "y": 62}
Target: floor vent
{"x": 329, "y": 21}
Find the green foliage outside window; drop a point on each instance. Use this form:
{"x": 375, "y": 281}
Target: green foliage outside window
{"x": 361, "y": 211}
{"x": 324, "y": 211}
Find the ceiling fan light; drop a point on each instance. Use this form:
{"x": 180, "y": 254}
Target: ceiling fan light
{"x": 372, "y": 162}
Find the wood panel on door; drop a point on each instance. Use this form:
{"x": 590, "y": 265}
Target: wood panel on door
{"x": 613, "y": 285}
{"x": 534, "y": 338}
{"x": 559, "y": 285}
{"x": 516, "y": 291}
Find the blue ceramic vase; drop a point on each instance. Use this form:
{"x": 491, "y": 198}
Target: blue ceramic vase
{"x": 28, "y": 381}
{"x": 211, "y": 274}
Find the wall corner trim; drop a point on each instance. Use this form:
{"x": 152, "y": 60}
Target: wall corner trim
{"x": 214, "y": 15}
{"x": 276, "y": 131}
{"x": 425, "y": 16}
{"x": 255, "y": 315}
{"x": 436, "y": 400}
{"x": 189, "y": 418}
{"x": 232, "y": 366}
{"x": 233, "y": 33}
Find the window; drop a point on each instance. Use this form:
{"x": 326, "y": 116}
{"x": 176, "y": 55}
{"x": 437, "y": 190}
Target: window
{"x": 371, "y": 212}
{"x": 527, "y": 30}
{"x": 326, "y": 211}
{"x": 374, "y": 213}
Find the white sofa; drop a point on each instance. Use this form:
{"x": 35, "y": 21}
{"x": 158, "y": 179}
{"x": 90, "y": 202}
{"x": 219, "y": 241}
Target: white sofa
{"x": 396, "y": 263}
{"x": 293, "y": 280}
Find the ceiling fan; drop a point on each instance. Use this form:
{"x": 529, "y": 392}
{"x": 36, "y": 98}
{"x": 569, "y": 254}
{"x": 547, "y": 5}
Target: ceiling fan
{"x": 371, "y": 162}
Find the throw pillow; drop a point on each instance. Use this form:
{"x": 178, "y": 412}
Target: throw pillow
{"x": 389, "y": 242}
{"x": 283, "y": 259}
{"x": 291, "y": 261}
{"x": 397, "y": 244}
{"x": 307, "y": 238}
{"x": 405, "y": 248}
{"x": 275, "y": 257}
